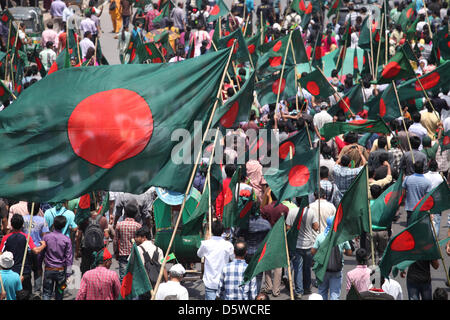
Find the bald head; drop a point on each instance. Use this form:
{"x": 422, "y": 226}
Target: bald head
{"x": 240, "y": 249}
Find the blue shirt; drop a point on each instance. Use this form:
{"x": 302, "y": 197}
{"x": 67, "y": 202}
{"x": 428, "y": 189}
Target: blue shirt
{"x": 11, "y": 282}
{"x": 38, "y": 228}
{"x": 50, "y": 215}
{"x": 231, "y": 279}
{"x": 416, "y": 187}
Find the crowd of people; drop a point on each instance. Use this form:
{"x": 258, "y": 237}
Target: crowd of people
{"x": 41, "y": 241}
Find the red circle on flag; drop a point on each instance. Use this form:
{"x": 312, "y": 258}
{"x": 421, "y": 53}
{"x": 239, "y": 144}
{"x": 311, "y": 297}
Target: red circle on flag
{"x": 275, "y": 85}
{"x": 358, "y": 122}
{"x": 343, "y": 104}
{"x": 355, "y": 63}
{"x": 404, "y": 242}
{"x": 448, "y": 44}
{"x": 335, "y": 4}
{"x": 110, "y": 126}
{"x": 313, "y": 88}
{"x": 382, "y": 108}
{"x": 215, "y": 10}
{"x": 428, "y": 204}
{"x": 251, "y": 48}
{"x": 228, "y": 196}
{"x": 127, "y": 285}
{"x": 230, "y": 43}
{"x": 337, "y": 217}
{"x": 85, "y": 201}
{"x": 284, "y": 149}
{"x": 277, "y": 46}
{"x": 428, "y": 82}
{"x": 391, "y": 70}
{"x": 275, "y": 61}
{"x": 157, "y": 60}
{"x": 298, "y": 175}
{"x": 446, "y": 140}
{"x": 2, "y": 91}
{"x": 410, "y": 13}
{"x": 5, "y": 18}
{"x": 230, "y": 116}
{"x": 149, "y": 51}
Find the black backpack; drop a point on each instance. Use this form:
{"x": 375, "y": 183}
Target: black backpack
{"x": 201, "y": 20}
{"x": 335, "y": 261}
{"x": 152, "y": 265}
{"x": 93, "y": 235}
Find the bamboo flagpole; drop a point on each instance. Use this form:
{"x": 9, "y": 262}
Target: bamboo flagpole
{"x": 228, "y": 75}
{"x": 371, "y": 48}
{"x": 291, "y": 287}
{"x": 219, "y": 91}
{"x": 28, "y": 239}
{"x": 370, "y": 217}
{"x": 280, "y": 81}
{"x": 297, "y": 84}
{"x": 379, "y": 47}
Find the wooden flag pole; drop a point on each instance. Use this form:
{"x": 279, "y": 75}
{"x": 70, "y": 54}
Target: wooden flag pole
{"x": 236, "y": 74}
{"x": 228, "y": 75}
{"x": 428, "y": 19}
{"x": 291, "y": 287}
{"x": 378, "y": 51}
{"x": 280, "y": 81}
{"x": 370, "y": 218}
{"x": 28, "y": 240}
{"x": 371, "y": 49}
{"x": 403, "y": 119}
{"x": 246, "y": 22}
{"x": 194, "y": 170}
{"x": 261, "y": 27}
{"x": 7, "y": 51}
{"x": 297, "y": 84}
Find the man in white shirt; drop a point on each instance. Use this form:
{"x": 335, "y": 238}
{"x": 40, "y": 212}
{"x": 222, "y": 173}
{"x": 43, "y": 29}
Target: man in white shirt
{"x": 217, "y": 253}
{"x": 327, "y": 209}
{"x": 47, "y": 56}
{"x": 417, "y": 128}
{"x": 322, "y": 117}
{"x": 172, "y": 289}
{"x": 86, "y": 43}
{"x": 436, "y": 179}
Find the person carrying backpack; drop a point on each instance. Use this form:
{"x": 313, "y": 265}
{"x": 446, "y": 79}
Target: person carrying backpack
{"x": 151, "y": 257}
{"x": 332, "y": 281}
{"x": 90, "y": 238}
{"x": 60, "y": 210}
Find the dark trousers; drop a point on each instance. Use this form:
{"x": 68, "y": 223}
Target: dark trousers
{"x": 54, "y": 281}
{"x": 126, "y": 21}
{"x": 419, "y": 291}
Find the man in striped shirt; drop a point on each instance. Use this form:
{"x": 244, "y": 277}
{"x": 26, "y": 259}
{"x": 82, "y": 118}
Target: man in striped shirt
{"x": 100, "y": 283}
{"x": 124, "y": 233}
{"x": 232, "y": 276}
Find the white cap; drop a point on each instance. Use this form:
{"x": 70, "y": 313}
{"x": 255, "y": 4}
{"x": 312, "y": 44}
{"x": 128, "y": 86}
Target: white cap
{"x": 6, "y": 260}
{"x": 315, "y": 296}
{"x": 177, "y": 270}
{"x": 276, "y": 26}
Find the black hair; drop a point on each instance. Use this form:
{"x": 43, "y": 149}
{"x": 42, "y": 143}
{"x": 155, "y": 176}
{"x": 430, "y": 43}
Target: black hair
{"x": 351, "y": 137}
{"x": 59, "y": 222}
{"x": 433, "y": 165}
{"x": 324, "y": 172}
{"x": 415, "y": 142}
{"x": 240, "y": 248}
{"x": 143, "y": 232}
{"x": 17, "y": 221}
{"x": 376, "y": 191}
{"x": 361, "y": 256}
{"x": 383, "y": 157}
{"x": 326, "y": 151}
{"x": 37, "y": 206}
{"x": 440, "y": 294}
{"x": 50, "y": 25}
{"x": 230, "y": 169}
{"x": 418, "y": 167}
{"x": 382, "y": 142}
{"x": 49, "y": 44}
{"x": 416, "y": 117}
{"x": 322, "y": 194}
{"x": 217, "y": 228}
{"x": 345, "y": 160}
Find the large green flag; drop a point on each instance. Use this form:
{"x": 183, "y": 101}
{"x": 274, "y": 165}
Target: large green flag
{"x": 237, "y": 108}
{"x": 5, "y": 93}
{"x": 333, "y": 129}
{"x": 416, "y": 242}
{"x": 271, "y": 253}
{"x": 164, "y": 11}
{"x": 84, "y": 209}
{"x": 441, "y": 37}
{"x": 229, "y": 201}
{"x": 444, "y": 141}
{"x": 193, "y": 224}
{"x": 267, "y": 88}
{"x": 295, "y": 143}
{"x": 334, "y": 8}
{"x": 292, "y": 233}
{"x": 384, "y": 208}
{"x": 294, "y": 177}
{"x": 384, "y": 105}
{"x": 397, "y": 68}
{"x": 407, "y": 16}
{"x": 351, "y": 219}
{"x": 317, "y": 84}
{"x": 113, "y": 135}
{"x": 136, "y": 281}
{"x": 351, "y": 102}
{"x": 435, "y": 201}
{"x": 240, "y": 52}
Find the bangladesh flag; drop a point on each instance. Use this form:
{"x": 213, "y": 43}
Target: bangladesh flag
{"x": 36, "y": 59}
{"x": 407, "y": 16}
{"x": 445, "y": 141}
{"x": 149, "y": 53}
{"x": 229, "y": 201}
{"x": 416, "y": 242}
{"x": 246, "y": 206}
{"x": 164, "y": 11}
{"x": 353, "y": 99}
{"x": 317, "y": 53}
{"x": 135, "y": 282}
{"x": 267, "y": 88}
{"x": 6, "y": 17}
{"x": 5, "y": 93}
{"x": 237, "y": 108}
{"x": 99, "y": 54}
{"x": 299, "y": 6}
{"x": 84, "y": 209}
{"x": 72, "y": 44}
{"x": 434, "y": 81}
{"x": 271, "y": 254}
{"x": 253, "y": 45}
{"x": 334, "y": 8}
{"x": 219, "y": 10}
{"x": 411, "y": 32}
{"x": 355, "y": 65}
{"x": 62, "y": 61}
{"x": 364, "y": 35}
{"x": 294, "y": 177}
{"x": 333, "y": 129}
{"x": 384, "y": 105}
{"x": 296, "y": 143}
{"x": 112, "y": 136}
{"x": 306, "y": 16}
{"x": 240, "y": 52}
{"x": 292, "y": 233}
{"x": 397, "y": 68}
{"x": 437, "y": 200}
{"x": 384, "y": 208}
{"x": 443, "y": 42}
{"x": 193, "y": 224}
{"x": 317, "y": 84}
{"x": 104, "y": 207}
{"x": 351, "y": 219}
